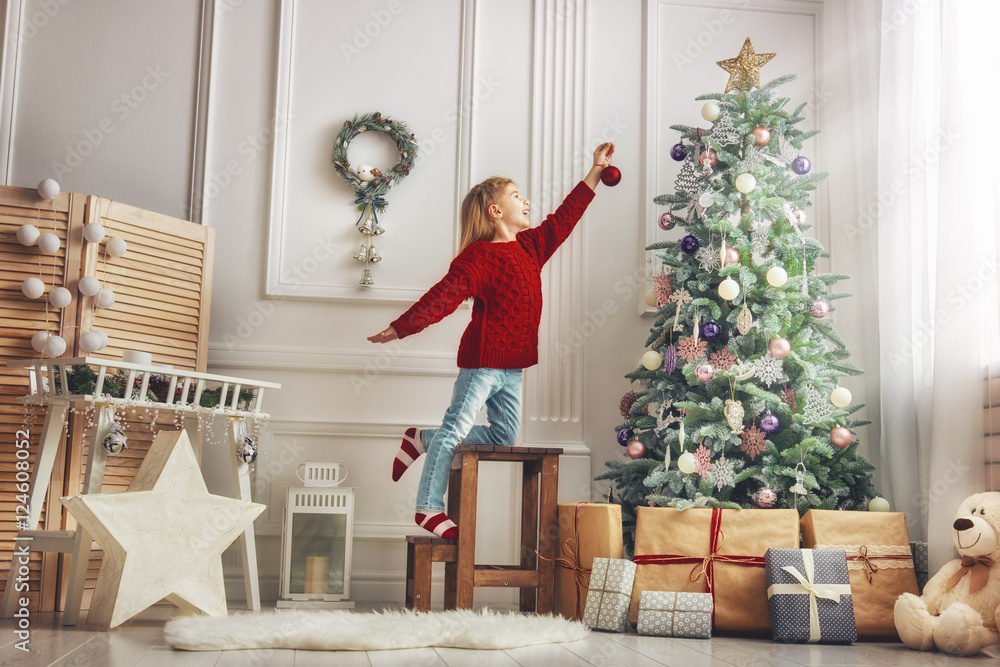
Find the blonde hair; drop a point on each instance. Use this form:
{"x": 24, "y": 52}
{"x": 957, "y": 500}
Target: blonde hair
{"x": 475, "y": 219}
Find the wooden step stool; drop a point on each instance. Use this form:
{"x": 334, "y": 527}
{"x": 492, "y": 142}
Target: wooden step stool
{"x": 539, "y": 531}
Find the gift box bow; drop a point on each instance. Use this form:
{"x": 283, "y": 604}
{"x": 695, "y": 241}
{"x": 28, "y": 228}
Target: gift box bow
{"x": 872, "y": 558}
{"x": 570, "y": 559}
{"x": 806, "y": 584}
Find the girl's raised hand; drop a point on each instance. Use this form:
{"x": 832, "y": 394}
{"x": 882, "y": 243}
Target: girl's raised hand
{"x": 603, "y": 153}
{"x": 384, "y": 336}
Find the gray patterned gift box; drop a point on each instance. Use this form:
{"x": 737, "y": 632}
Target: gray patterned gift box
{"x": 669, "y": 614}
{"x": 809, "y": 596}
{"x": 919, "y": 551}
{"x": 609, "y": 594}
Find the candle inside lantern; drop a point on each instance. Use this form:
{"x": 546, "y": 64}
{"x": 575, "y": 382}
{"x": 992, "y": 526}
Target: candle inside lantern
{"x": 317, "y": 575}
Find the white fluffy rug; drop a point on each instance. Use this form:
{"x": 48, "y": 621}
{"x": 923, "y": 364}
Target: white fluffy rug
{"x": 341, "y": 630}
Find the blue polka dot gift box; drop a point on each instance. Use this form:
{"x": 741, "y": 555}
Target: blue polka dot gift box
{"x": 671, "y": 614}
{"x": 609, "y": 594}
{"x": 809, "y": 596}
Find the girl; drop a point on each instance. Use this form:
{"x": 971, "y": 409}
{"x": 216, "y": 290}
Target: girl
{"x": 499, "y": 265}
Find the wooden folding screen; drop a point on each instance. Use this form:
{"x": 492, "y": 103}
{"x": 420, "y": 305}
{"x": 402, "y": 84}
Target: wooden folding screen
{"x": 162, "y": 289}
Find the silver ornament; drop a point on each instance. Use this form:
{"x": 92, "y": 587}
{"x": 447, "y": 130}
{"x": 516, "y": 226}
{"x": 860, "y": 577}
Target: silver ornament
{"x": 246, "y": 450}
{"x": 115, "y": 441}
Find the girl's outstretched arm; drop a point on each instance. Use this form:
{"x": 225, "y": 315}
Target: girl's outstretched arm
{"x": 384, "y": 336}
{"x": 602, "y": 158}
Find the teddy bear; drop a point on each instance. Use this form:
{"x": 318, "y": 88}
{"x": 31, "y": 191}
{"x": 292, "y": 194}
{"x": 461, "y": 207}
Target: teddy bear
{"x": 959, "y": 611}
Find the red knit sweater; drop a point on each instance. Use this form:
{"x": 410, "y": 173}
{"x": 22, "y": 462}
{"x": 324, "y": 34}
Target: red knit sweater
{"x": 505, "y": 281}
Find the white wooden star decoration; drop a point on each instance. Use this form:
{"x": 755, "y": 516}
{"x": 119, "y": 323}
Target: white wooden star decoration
{"x": 163, "y": 538}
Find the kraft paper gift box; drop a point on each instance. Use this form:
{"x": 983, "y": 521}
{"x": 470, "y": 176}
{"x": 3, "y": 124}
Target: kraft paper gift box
{"x": 586, "y": 531}
{"x": 717, "y": 551}
{"x": 919, "y": 551}
{"x": 671, "y": 614}
{"x": 608, "y": 597}
{"x": 809, "y": 596}
{"x": 878, "y": 560}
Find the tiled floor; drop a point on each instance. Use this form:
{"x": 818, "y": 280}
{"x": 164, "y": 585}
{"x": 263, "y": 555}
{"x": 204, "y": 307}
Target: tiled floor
{"x": 140, "y": 642}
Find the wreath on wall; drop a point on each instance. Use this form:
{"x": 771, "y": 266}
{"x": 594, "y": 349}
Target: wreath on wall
{"x": 370, "y": 185}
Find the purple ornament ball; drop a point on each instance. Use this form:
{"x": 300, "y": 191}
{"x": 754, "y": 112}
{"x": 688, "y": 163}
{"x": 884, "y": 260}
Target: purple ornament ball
{"x": 801, "y": 165}
{"x": 710, "y": 330}
{"x": 666, "y": 221}
{"x": 677, "y": 152}
{"x": 690, "y": 245}
{"x": 769, "y": 423}
{"x": 624, "y": 435}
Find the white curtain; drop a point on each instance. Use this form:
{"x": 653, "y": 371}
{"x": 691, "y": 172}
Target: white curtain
{"x": 936, "y": 255}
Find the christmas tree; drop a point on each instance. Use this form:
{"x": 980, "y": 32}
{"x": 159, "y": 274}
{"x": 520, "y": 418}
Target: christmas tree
{"x": 739, "y": 385}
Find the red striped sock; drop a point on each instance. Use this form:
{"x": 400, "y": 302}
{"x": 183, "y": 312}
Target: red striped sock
{"x": 437, "y": 523}
{"x": 409, "y": 451}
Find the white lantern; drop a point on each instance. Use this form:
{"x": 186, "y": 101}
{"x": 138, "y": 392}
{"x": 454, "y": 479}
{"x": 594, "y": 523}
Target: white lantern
{"x": 89, "y": 285}
{"x": 27, "y": 235}
{"x": 93, "y": 232}
{"x": 317, "y": 541}
{"x": 32, "y": 287}
{"x": 38, "y": 340}
{"x": 48, "y": 189}
{"x": 841, "y": 397}
{"x": 91, "y": 341}
{"x": 745, "y": 183}
{"x": 48, "y": 243}
{"x": 105, "y": 298}
{"x": 776, "y": 276}
{"x": 60, "y": 297}
{"x": 116, "y": 246}
{"x": 54, "y": 346}
{"x": 729, "y": 289}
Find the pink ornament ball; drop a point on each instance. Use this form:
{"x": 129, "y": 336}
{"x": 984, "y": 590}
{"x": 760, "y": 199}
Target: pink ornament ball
{"x": 765, "y": 498}
{"x": 761, "y": 136}
{"x": 705, "y": 372}
{"x": 779, "y": 347}
{"x": 732, "y": 256}
{"x": 666, "y": 221}
{"x": 819, "y": 308}
{"x": 840, "y": 437}
{"x": 636, "y": 449}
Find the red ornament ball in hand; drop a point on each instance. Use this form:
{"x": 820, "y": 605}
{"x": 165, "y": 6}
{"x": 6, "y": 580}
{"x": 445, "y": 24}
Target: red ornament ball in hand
{"x": 779, "y": 347}
{"x": 611, "y": 175}
{"x": 840, "y": 437}
{"x": 636, "y": 449}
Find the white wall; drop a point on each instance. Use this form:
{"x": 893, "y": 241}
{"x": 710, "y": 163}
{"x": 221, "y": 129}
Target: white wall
{"x": 343, "y": 399}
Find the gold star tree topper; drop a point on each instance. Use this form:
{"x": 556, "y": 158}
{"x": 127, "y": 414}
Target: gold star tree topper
{"x": 744, "y": 69}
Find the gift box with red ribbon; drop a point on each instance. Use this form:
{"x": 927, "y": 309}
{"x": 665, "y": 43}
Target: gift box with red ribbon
{"x": 877, "y": 547}
{"x": 586, "y": 531}
{"x": 717, "y": 551}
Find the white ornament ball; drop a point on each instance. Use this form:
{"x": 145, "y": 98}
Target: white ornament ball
{"x": 105, "y": 298}
{"x": 89, "y": 285}
{"x": 48, "y": 189}
{"x": 93, "y": 232}
{"x": 745, "y": 183}
{"x": 686, "y": 463}
{"x": 878, "y": 504}
{"x": 38, "y": 340}
{"x": 32, "y": 287}
{"x": 710, "y": 111}
{"x": 60, "y": 297}
{"x": 104, "y": 339}
{"x": 91, "y": 341}
{"x": 841, "y": 397}
{"x": 54, "y": 346}
{"x": 27, "y": 235}
{"x": 729, "y": 289}
{"x": 48, "y": 243}
{"x": 776, "y": 276}
{"x": 651, "y": 298}
{"x": 652, "y": 360}
{"x": 705, "y": 200}
{"x": 116, "y": 246}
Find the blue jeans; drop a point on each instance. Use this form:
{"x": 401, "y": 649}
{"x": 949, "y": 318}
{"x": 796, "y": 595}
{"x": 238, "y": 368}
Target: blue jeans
{"x": 500, "y": 391}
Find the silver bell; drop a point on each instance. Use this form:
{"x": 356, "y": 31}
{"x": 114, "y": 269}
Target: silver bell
{"x": 373, "y": 255}
{"x": 379, "y": 229}
{"x": 367, "y": 227}
{"x": 362, "y": 254}
{"x": 366, "y": 278}
{"x": 115, "y": 441}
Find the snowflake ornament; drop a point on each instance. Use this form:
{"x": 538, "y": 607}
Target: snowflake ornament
{"x": 702, "y": 460}
{"x": 690, "y": 348}
{"x": 681, "y": 296}
{"x": 724, "y": 131}
{"x": 760, "y": 240}
{"x": 769, "y": 370}
{"x": 817, "y": 407}
{"x": 688, "y": 180}
{"x": 708, "y": 257}
{"x": 753, "y": 441}
{"x": 723, "y": 473}
{"x": 663, "y": 285}
{"x": 722, "y": 359}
